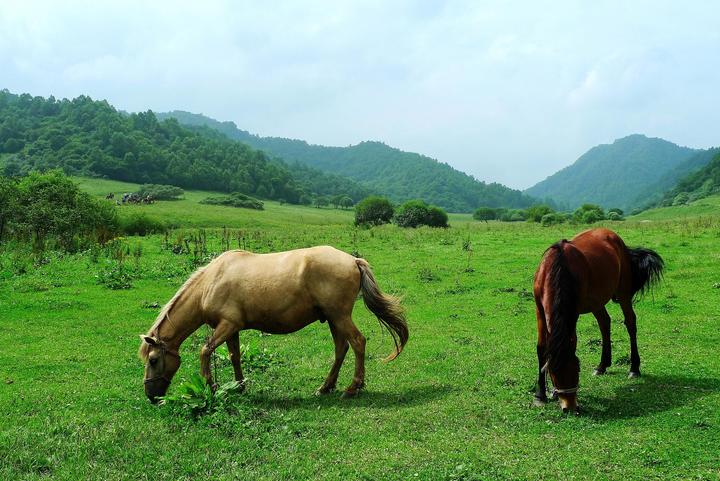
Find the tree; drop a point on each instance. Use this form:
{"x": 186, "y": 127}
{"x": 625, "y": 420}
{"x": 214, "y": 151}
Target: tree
{"x": 374, "y": 210}
{"x": 345, "y": 202}
{"x": 484, "y": 213}
{"x": 8, "y": 202}
{"x": 321, "y": 201}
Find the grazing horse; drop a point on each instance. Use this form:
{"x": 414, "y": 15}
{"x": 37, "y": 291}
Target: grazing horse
{"x": 580, "y": 276}
{"x": 275, "y": 293}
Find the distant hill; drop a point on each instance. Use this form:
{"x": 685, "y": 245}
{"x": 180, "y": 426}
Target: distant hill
{"x": 697, "y": 185}
{"x": 384, "y": 169}
{"x": 615, "y": 175}
{"x": 655, "y": 193}
{"x": 89, "y": 137}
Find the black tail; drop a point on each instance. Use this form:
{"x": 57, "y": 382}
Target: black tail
{"x": 564, "y": 314}
{"x": 647, "y": 270}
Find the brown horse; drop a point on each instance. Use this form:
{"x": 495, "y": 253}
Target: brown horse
{"x": 275, "y": 293}
{"x": 580, "y": 276}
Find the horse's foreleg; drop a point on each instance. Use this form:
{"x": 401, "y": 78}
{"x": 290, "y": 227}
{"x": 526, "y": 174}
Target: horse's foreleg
{"x": 603, "y": 320}
{"x": 341, "y": 349}
{"x": 541, "y": 391}
{"x": 351, "y": 333}
{"x": 233, "y": 344}
{"x": 630, "y": 324}
{"x": 221, "y": 333}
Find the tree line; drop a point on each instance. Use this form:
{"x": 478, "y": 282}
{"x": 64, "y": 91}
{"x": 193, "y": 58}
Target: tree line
{"x": 91, "y": 138}
{"x": 546, "y": 215}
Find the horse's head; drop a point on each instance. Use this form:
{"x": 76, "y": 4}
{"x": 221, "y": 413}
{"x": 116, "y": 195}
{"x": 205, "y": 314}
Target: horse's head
{"x": 566, "y": 378}
{"x": 161, "y": 364}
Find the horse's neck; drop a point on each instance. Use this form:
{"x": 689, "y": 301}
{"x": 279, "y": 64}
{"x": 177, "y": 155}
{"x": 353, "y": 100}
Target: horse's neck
{"x": 182, "y": 319}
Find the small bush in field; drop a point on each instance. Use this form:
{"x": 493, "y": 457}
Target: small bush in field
{"x": 195, "y": 397}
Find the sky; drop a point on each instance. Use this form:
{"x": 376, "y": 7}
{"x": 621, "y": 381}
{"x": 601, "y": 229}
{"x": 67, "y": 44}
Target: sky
{"x": 507, "y": 91}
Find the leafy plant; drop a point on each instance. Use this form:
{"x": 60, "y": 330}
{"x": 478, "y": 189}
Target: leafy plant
{"x": 115, "y": 276}
{"x": 195, "y": 397}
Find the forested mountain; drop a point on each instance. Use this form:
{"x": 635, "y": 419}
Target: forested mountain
{"x": 386, "y": 170}
{"x": 614, "y": 175}
{"x": 88, "y": 137}
{"x": 697, "y": 185}
{"x": 655, "y": 193}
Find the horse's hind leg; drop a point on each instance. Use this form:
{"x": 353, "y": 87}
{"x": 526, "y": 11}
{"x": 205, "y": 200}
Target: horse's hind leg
{"x": 233, "y": 344}
{"x": 346, "y": 328}
{"x": 341, "y": 349}
{"x": 630, "y": 324}
{"x": 603, "y": 320}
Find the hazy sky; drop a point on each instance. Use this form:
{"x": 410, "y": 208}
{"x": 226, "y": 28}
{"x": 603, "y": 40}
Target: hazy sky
{"x": 508, "y": 91}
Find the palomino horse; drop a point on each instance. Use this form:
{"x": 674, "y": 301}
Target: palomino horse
{"x": 580, "y": 276}
{"x": 275, "y": 293}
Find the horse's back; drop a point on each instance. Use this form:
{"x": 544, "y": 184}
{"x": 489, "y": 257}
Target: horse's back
{"x": 282, "y": 285}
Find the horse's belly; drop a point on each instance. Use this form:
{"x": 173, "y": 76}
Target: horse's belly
{"x": 282, "y": 323}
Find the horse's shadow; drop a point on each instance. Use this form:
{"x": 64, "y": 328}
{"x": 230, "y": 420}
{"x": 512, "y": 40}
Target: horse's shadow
{"x": 647, "y": 395}
{"x": 366, "y": 399}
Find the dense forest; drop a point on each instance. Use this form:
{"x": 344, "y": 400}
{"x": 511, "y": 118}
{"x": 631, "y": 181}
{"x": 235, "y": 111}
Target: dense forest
{"x": 383, "y": 169}
{"x": 628, "y": 173}
{"x": 88, "y": 137}
{"x": 699, "y": 184}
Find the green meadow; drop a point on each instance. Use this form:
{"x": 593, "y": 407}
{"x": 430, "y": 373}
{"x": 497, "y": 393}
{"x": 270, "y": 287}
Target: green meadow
{"x": 456, "y": 405}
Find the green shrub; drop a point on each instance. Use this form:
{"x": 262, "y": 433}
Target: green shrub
{"x": 414, "y": 213}
{"x": 374, "y": 210}
{"x": 535, "y": 213}
{"x": 552, "y": 219}
{"x": 614, "y": 216}
{"x": 235, "y": 199}
{"x": 485, "y": 213}
{"x": 588, "y": 214}
{"x": 160, "y": 191}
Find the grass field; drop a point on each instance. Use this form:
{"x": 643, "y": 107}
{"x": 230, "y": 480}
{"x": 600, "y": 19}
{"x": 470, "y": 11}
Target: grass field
{"x": 455, "y": 405}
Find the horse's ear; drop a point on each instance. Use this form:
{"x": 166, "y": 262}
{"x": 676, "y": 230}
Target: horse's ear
{"x": 149, "y": 339}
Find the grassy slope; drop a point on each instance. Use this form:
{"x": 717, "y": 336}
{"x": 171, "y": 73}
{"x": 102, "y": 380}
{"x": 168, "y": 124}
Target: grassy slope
{"x": 189, "y": 213}
{"x": 707, "y": 207}
{"x": 455, "y": 405}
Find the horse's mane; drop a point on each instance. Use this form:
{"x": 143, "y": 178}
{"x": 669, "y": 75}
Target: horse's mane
{"x": 564, "y": 315}
{"x": 144, "y": 350}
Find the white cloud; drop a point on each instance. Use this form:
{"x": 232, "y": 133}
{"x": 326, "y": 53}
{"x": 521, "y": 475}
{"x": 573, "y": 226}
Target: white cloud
{"x": 507, "y": 91}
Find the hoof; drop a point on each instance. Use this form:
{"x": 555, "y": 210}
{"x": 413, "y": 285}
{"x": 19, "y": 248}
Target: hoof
{"x": 350, "y": 394}
{"x": 633, "y": 374}
{"x": 598, "y": 371}
{"x": 324, "y": 390}
{"x": 538, "y": 402}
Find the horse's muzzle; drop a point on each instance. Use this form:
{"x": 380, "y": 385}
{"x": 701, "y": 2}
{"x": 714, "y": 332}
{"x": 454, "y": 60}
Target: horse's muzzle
{"x": 155, "y": 389}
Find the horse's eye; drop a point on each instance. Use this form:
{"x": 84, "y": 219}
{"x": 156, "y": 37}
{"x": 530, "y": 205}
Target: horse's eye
{"x": 153, "y": 361}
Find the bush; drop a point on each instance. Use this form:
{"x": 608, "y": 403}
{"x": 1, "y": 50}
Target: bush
{"x": 437, "y": 217}
{"x": 115, "y": 276}
{"x": 588, "y": 214}
{"x": 373, "y": 210}
{"x": 141, "y": 224}
{"x": 485, "y": 213}
{"x": 235, "y": 199}
{"x": 50, "y": 205}
{"x": 414, "y": 213}
{"x": 535, "y": 213}
{"x": 160, "y": 191}
{"x": 614, "y": 216}
{"x": 552, "y": 219}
